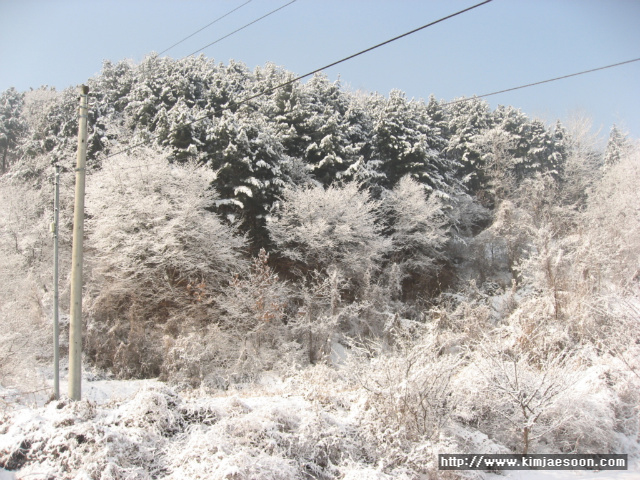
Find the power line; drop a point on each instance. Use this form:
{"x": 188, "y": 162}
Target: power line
{"x": 383, "y": 43}
{"x": 206, "y": 46}
{"x": 206, "y": 26}
{"x": 317, "y": 70}
{"x": 243, "y": 27}
{"x": 542, "y": 81}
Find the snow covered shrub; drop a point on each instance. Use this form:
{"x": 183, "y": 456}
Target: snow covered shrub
{"x": 627, "y": 391}
{"x": 325, "y": 320}
{"x": 589, "y": 408}
{"x": 317, "y": 318}
{"x": 254, "y": 311}
{"x": 203, "y": 356}
{"x": 323, "y": 443}
{"x": 75, "y": 440}
{"x": 317, "y": 228}
{"x": 620, "y": 338}
{"x": 158, "y": 255}
{"x": 548, "y": 268}
{"x": 25, "y": 279}
{"x": 511, "y": 224}
{"x": 534, "y": 329}
{"x": 408, "y": 401}
{"x": 264, "y": 437}
{"x": 513, "y": 397}
{"x": 461, "y": 318}
{"x": 465, "y": 215}
{"x": 416, "y": 226}
{"x": 152, "y": 409}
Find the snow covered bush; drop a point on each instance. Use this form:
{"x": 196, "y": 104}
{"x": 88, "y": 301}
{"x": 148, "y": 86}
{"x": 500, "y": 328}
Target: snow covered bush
{"x": 160, "y": 434}
{"x": 548, "y": 268}
{"x": 513, "y": 397}
{"x": 254, "y": 313}
{"x": 317, "y": 228}
{"x": 200, "y": 355}
{"x": 317, "y": 319}
{"x": 589, "y": 408}
{"x": 416, "y": 226}
{"x": 327, "y": 318}
{"x": 77, "y": 441}
{"x": 408, "y": 396}
{"x": 157, "y": 257}
{"x": 25, "y": 277}
{"x": 255, "y": 301}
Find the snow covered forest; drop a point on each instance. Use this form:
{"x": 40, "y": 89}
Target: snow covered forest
{"x": 325, "y": 283}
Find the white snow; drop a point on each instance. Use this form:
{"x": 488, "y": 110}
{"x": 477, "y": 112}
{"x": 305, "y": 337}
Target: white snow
{"x": 632, "y": 474}
{"x": 243, "y": 189}
{"x": 6, "y": 475}
{"x": 140, "y": 429}
{"x": 104, "y": 391}
{"x": 274, "y": 429}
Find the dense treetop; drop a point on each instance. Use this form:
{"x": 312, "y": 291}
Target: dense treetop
{"x": 313, "y": 132}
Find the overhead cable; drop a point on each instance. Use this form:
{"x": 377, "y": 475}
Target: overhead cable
{"x": 206, "y": 26}
{"x": 317, "y": 70}
{"x": 243, "y": 27}
{"x": 541, "y": 82}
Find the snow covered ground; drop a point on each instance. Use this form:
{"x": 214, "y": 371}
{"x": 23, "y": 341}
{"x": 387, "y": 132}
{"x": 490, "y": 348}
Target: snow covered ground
{"x": 567, "y": 475}
{"x": 142, "y": 429}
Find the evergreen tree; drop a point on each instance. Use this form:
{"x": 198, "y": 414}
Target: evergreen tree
{"x": 618, "y": 146}
{"x": 437, "y": 114}
{"x": 468, "y": 119}
{"x": 113, "y": 86}
{"x": 335, "y": 142}
{"x": 58, "y": 130}
{"x": 541, "y": 155}
{"x": 12, "y": 125}
{"x": 515, "y": 149}
{"x": 246, "y": 156}
{"x": 561, "y": 149}
{"x": 286, "y": 107}
{"x": 405, "y": 142}
{"x": 516, "y": 127}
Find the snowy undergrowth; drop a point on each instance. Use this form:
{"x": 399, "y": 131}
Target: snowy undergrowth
{"x": 314, "y": 425}
{"x": 372, "y": 416}
{"x": 289, "y": 429}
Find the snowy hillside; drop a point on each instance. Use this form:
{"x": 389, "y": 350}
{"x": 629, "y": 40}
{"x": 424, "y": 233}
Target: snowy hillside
{"x": 314, "y": 283}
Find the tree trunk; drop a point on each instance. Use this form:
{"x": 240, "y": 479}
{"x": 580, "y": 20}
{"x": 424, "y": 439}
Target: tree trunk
{"x": 312, "y": 357}
{"x": 4, "y": 159}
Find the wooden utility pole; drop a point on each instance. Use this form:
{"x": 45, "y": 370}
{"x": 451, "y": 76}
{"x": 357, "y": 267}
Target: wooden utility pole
{"x": 56, "y": 328}
{"x": 75, "y": 325}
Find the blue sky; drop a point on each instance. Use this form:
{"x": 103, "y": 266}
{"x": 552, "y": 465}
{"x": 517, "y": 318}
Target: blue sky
{"x": 503, "y": 44}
